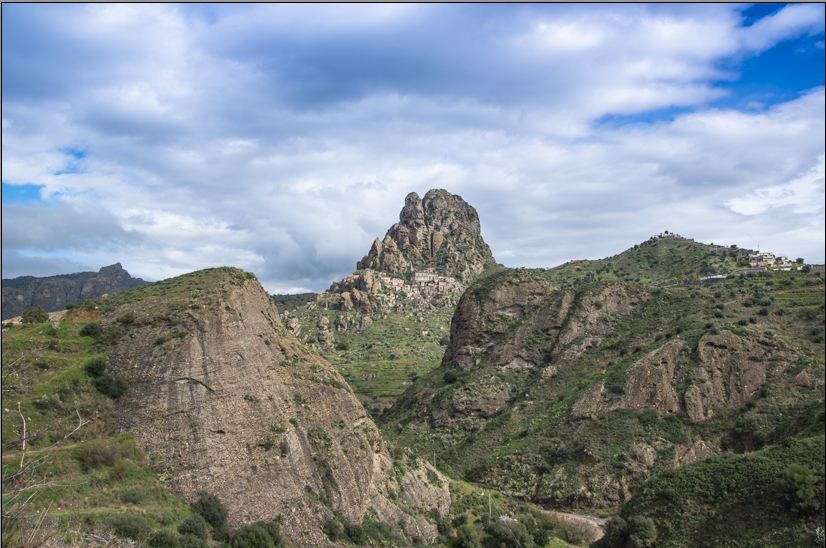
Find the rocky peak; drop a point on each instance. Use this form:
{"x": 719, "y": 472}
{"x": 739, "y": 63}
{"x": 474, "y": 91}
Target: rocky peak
{"x": 116, "y": 268}
{"x": 440, "y": 232}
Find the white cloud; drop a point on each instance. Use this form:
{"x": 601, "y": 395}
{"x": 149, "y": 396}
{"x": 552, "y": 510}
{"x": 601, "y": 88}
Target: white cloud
{"x": 283, "y": 139}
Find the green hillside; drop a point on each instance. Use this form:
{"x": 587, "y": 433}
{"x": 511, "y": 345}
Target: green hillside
{"x": 577, "y": 426}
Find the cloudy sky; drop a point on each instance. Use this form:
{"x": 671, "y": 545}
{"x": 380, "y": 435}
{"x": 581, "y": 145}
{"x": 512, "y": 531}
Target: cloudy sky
{"x": 283, "y": 138}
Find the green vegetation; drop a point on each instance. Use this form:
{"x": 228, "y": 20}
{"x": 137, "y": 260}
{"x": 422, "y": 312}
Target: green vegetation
{"x": 380, "y": 362}
{"x": 73, "y": 460}
{"x": 770, "y": 497}
{"x": 35, "y": 315}
{"x": 293, "y": 300}
{"x": 531, "y": 447}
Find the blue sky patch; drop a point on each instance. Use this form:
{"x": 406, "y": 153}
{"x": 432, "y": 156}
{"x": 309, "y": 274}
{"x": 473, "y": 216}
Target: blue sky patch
{"x": 21, "y": 193}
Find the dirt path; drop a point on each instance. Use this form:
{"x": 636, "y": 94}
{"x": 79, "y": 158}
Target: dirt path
{"x": 589, "y": 528}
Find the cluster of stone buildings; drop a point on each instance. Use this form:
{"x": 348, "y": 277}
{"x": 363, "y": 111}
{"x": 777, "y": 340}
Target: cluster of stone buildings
{"x": 766, "y": 259}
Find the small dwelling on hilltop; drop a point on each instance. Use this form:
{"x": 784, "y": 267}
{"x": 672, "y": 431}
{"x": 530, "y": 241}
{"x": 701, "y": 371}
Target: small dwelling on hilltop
{"x": 666, "y": 235}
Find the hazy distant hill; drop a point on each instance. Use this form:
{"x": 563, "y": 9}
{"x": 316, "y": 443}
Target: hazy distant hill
{"x": 55, "y": 292}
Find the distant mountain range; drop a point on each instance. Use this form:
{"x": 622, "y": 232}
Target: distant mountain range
{"x": 55, "y": 292}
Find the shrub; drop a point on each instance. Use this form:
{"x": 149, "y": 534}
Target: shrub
{"x": 194, "y": 525}
{"x": 355, "y": 533}
{"x": 257, "y": 535}
{"x": 111, "y": 385}
{"x": 35, "y": 315}
{"x": 103, "y": 452}
{"x": 450, "y": 377}
{"x": 213, "y": 511}
{"x": 128, "y": 318}
{"x": 798, "y": 482}
{"x": 95, "y": 367}
{"x": 92, "y": 329}
{"x": 189, "y": 541}
{"x": 642, "y": 533}
{"x": 131, "y": 497}
{"x": 165, "y": 539}
{"x": 509, "y": 533}
{"x": 616, "y": 533}
{"x": 334, "y": 529}
{"x": 130, "y": 526}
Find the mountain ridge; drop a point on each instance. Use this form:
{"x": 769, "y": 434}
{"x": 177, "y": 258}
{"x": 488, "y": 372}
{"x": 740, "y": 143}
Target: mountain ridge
{"x": 53, "y": 293}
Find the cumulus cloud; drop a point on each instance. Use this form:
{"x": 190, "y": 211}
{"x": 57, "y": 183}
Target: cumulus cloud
{"x": 283, "y": 138}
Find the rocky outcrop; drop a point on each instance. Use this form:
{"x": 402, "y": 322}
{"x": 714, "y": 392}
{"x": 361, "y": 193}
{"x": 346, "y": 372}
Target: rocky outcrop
{"x": 731, "y": 370}
{"x": 648, "y": 386}
{"x": 424, "y": 263}
{"x": 440, "y": 232}
{"x": 55, "y": 292}
{"x": 226, "y": 400}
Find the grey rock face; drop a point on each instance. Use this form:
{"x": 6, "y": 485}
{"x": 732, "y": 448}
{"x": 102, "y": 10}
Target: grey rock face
{"x": 231, "y": 403}
{"x": 439, "y": 232}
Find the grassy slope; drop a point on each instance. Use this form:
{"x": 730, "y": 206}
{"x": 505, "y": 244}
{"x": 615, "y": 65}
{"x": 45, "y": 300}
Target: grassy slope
{"x": 380, "y": 362}
{"x": 93, "y": 480}
{"x": 533, "y": 450}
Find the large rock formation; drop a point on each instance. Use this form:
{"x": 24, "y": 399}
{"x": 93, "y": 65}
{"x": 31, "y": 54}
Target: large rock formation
{"x": 440, "y": 232}
{"x": 227, "y": 401}
{"x": 55, "y": 292}
{"x": 424, "y": 263}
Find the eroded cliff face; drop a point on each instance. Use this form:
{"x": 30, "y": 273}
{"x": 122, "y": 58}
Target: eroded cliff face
{"x": 440, "y": 232}
{"x": 225, "y": 400}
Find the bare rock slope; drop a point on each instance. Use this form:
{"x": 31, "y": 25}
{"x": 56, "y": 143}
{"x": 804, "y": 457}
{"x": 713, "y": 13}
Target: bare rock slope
{"x": 227, "y": 401}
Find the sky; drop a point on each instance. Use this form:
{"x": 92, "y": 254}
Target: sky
{"x": 282, "y": 139}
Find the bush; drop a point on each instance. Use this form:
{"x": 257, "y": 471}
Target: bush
{"x": 189, "y": 541}
{"x": 127, "y": 319}
{"x": 799, "y": 482}
{"x": 111, "y": 385}
{"x": 194, "y": 525}
{"x": 642, "y": 532}
{"x": 509, "y": 533}
{"x": 165, "y": 539}
{"x": 450, "y": 377}
{"x": 35, "y": 315}
{"x": 93, "y": 329}
{"x": 130, "y": 526}
{"x": 334, "y": 529}
{"x": 103, "y": 452}
{"x": 355, "y": 533}
{"x": 131, "y": 497}
{"x": 95, "y": 367}
{"x": 616, "y": 533}
{"x": 213, "y": 511}
{"x": 257, "y": 535}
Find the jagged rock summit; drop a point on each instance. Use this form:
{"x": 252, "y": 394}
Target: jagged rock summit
{"x": 440, "y": 232}
{"x": 54, "y": 293}
{"x": 424, "y": 263}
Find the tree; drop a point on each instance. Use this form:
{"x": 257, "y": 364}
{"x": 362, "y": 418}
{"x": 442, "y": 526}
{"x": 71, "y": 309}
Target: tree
{"x": 799, "y": 260}
{"x": 35, "y": 315}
